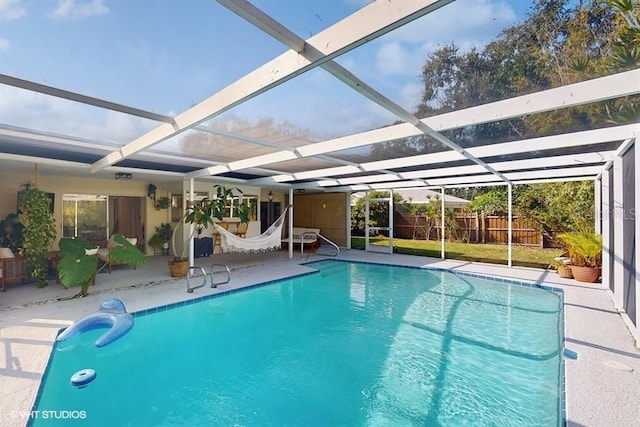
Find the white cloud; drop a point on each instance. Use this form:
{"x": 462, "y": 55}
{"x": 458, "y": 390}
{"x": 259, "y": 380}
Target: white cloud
{"x": 31, "y": 110}
{"x": 396, "y": 59}
{"x": 466, "y": 23}
{"x": 11, "y": 10}
{"x": 4, "y": 45}
{"x": 410, "y": 95}
{"x": 68, "y": 9}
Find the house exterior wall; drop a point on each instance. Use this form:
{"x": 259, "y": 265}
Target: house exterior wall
{"x": 11, "y": 183}
{"x": 326, "y": 211}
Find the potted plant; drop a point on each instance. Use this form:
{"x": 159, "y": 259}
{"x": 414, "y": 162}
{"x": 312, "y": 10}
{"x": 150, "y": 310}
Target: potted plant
{"x": 162, "y": 236}
{"x": 162, "y": 203}
{"x": 585, "y": 251}
{"x": 203, "y": 213}
{"x": 11, "y": 233}
{"x": 38, "y": 233}
{"x": 79, "y": 263}
{"x": 562, "y": 264}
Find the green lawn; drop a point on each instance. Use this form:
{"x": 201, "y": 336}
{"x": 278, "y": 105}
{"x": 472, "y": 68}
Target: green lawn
{"x": 525, "y": 256}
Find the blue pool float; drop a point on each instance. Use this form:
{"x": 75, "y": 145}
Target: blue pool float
{"x": 83, "y": 377}
{"x": 112, "y": 314}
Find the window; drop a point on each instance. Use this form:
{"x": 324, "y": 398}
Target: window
{"x": 84, "y": 215}
{"x": 231, "y": 210}
{"x": 176, "y": 208}
{"x": 252, "y": 201}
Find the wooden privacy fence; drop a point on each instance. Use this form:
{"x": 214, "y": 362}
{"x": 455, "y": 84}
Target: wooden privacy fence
{"x": 472, "y": 228}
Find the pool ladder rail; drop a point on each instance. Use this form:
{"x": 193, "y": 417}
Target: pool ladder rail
{"x": 318, "y": 236}
{"x": 214, "y": 270}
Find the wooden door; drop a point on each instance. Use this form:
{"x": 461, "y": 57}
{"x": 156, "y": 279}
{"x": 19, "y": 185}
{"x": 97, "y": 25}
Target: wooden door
{"x": 126, "y": 217}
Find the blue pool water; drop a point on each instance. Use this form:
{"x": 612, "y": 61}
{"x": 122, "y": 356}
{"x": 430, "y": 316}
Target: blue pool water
{"x": 352, "y": 345}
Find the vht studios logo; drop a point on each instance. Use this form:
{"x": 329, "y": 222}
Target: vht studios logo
{"x": 50, "y": 415}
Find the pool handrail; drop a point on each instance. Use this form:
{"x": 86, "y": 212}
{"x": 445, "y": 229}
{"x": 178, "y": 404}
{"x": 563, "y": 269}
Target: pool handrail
{"x": 317, "y": 235}
{"x": 214, "y": 284}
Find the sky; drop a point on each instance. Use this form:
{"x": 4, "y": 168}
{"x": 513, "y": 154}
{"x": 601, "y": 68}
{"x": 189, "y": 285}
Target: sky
{"x": 168, "y": 55}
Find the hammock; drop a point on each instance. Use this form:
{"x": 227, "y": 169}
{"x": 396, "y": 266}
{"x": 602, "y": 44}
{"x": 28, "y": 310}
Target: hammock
{"x": 267, "y": 241}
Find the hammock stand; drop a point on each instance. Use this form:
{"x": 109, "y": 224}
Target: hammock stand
{"x": 267, "y": 241}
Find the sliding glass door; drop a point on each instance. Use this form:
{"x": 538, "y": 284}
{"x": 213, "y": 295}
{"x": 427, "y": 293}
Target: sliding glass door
{"x": 85, "y": 215}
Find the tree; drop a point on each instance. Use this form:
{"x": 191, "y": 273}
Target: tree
{"x": 378, "y": 214}
{"x": 561, "y": 207}
{"x": 38, "y": 233}
{"x": 491, "y": 202}
{"x": 560, "y": 42}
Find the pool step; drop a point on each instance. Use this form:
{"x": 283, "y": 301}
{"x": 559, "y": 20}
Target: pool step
{"x": 331, "y": 270}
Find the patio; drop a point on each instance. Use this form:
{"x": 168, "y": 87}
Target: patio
{"x": 75, "y": 136}
{"x": 600, "y": 384}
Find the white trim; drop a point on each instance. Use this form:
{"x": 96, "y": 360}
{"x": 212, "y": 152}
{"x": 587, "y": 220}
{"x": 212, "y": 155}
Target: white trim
{"x": 607, "y": 252}
{"x": 636, "y": 184}
{"x": 618, "y": 245}
{"x": 372, "y": 21}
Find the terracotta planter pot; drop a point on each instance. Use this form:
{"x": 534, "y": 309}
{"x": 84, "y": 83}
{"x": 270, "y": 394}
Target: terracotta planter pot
{"x": 178, "y": 268}
{"x": 586, "y": 274}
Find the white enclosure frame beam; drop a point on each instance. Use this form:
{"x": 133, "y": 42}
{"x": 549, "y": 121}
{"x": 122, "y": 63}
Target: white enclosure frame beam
{"x": 442, "y": 219}
{"x": 83, "y": 99}
{"x": 607, "y": 218}
{"x": 290, "y": 248}
{"x": 543, "y": 101}
{"x": 618, "y": 221}
{"x": 637, "y": 243}
{"x": 553, "y": 142}
{"x": 366, "y": 24}
{"x": 603, "y": 88}
{"x": 597, "y": 205}
{"x": 510, "y": 225}
{"x": 290, "y": 39}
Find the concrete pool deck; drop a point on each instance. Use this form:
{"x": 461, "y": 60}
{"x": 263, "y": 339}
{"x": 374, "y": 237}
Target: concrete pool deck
{"x": 602, "y": 384}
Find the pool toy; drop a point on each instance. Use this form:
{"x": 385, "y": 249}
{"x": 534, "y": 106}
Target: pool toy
{"x": 112, "y": 314}
{"x": 83, "y": 377}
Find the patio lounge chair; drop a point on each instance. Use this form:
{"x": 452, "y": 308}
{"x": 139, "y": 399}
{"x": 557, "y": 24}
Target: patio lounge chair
{"x": 104, "y": 253}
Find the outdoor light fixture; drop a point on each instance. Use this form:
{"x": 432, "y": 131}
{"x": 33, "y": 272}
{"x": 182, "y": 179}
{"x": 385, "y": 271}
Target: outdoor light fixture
{"x": 152, "y": 191}
{"x": 270, "y": 195}
{"x": 122, "y": 175}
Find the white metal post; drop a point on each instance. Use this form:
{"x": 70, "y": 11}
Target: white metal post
{"x": 607, "y": 251}
{"x": 366, "y": 221}
{"x": 191, "y": 225}
{"x": 291, "y": 224}
{"x": 348, "y": 195}
{"x": 618, "y": 225}
{"x": 509, "y": 224}
{"x": 442, "y": 223}
{"x": 391, "y": 212}
{"x": 597, "y": 205}
{"x": 636, "y": 220}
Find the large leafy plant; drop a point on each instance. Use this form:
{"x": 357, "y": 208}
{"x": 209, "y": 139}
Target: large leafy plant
{"x": 11, "y": 233}
{"x": 585, "y": 249}
{"x": 204, "y": 211}
{"x": 38, "y": 234}
{"x": 79, "y": 263}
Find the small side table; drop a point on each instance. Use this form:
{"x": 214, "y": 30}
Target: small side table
{"x": 202, "y": 246}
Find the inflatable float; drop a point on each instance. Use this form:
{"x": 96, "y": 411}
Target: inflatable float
{"x": 112, "y": 314}
{"x": 83, "y": 377}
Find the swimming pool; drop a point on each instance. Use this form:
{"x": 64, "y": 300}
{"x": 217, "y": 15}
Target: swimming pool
{"x": 353, "y": 344}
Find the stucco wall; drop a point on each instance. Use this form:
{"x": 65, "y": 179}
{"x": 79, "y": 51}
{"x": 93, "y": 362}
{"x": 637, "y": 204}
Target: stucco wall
{"x": 11, "y": 183}
{"x": 326, "y": 211}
